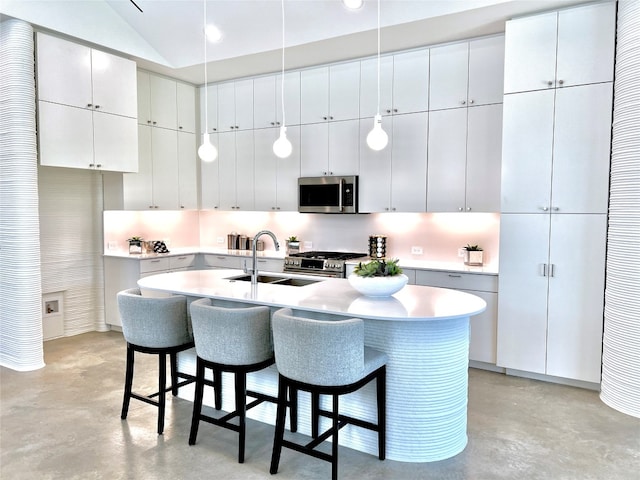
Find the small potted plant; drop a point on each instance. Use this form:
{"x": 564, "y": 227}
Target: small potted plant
{"x": 473, "y": 255}
{"x": 135, "y": 244}
{"x": 378, "y": 278}
{"x": 293, "y": 244}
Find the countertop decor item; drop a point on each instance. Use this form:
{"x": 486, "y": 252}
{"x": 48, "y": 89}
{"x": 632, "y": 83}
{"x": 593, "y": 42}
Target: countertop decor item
{"x": 377, "y": 246}
{"x": 378, "y": 278}
{"x": 293, "y": 245}
{"x": 473, "y": 255}
{"x": 135, "y": 244}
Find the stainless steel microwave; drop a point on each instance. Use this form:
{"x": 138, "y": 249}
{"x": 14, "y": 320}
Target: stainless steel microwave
{"x": 328, "y": 194}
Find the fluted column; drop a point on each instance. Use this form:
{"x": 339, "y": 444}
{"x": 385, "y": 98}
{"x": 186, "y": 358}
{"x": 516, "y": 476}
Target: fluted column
{"x": 620, "y": 387}
{"x": 20, "y": 280}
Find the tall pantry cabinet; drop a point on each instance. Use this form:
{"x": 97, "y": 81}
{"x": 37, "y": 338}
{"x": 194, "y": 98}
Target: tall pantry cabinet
{"x": 554, "y": 195}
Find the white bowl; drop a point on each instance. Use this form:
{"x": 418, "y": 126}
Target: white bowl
{"x": 378, "y": 286}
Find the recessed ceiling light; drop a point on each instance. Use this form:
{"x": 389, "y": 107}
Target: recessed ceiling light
{"x": 353, "y": 4}
{"x": 213, "y": 33}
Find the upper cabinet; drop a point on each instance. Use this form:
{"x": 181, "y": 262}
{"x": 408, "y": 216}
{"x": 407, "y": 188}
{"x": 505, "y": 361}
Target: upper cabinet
{"x": 330, "y": 93}
{"x": 186, "y": 107}
{"x": 86, "y": 107}
{"x": 404, "y": 84}
{"x": 329, "y": 148}
{"x": 235, "y": 106}
{"x": 267, "y": 100}
{"x": 208, "y": 108}
{"x": 575, "y": 46}
{"x": 467, "y": 73}
{"x": 157, "y": 105}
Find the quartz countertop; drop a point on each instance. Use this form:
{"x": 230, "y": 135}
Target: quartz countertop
{"x": 327, "y": 295}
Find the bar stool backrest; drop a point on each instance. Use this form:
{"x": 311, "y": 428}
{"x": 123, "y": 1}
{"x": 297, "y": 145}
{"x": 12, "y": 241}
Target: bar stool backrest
{"x": 153, "y": 322}
{"x": 231, "y": 336}
{"x": 318, "y": 352}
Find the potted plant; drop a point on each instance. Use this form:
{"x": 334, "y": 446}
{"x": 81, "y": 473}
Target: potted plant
{"x": 293, "y": 244}
{"x": 473, "y": 255}
{"x": 378, "y": 278}
{"x": 135, "y": 244}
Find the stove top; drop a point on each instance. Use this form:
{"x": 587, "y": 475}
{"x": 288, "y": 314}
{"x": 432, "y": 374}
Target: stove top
{"x": 330, "y": 264}
{"x": 321, "y": 255}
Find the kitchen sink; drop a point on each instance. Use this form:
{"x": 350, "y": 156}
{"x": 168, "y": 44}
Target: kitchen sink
{"x": 275, "y": 279}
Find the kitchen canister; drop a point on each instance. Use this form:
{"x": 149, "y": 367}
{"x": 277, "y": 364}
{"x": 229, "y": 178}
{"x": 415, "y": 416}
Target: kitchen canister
{"x": 377, "y": 246}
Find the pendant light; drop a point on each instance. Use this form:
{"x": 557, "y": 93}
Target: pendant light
{"x": 282, "y": 146}
{"x": 207, "y": 151}
{"x": 377, "y": 138}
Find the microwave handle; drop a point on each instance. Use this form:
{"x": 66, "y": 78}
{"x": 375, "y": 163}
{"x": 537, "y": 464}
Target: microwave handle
{"x": 340, "y": 206}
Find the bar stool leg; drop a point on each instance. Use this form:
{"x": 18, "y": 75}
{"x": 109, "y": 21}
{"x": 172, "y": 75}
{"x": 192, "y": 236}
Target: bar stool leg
{"x": 173, "y": 362}
{"x": 280, "y": 420}
{"x": 197, "y": 402}
{"x": 315, "y": 414}
{"x": 217, "y": 389}
{"x": 162, "y": 385}
{"x": 241, "y": 408}
{"x": 128, "y": 381}
{"x": 381, "y": 382}
{"x": 334, "y": 444}
{"x": 293, "y": 409}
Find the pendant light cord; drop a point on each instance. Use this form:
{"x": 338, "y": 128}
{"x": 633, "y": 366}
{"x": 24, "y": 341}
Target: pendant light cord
{"x": 206, "y": 87}
{"x": 282, "y": 76}
{"x": 378, "y": 110}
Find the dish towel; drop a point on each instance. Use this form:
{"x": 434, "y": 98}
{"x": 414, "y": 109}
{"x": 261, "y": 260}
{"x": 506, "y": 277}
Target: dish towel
{"x": 160, "y": 247}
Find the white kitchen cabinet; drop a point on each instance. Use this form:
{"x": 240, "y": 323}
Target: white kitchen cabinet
{"x": 236, "y": 170}
{"x": 330, "y": 148}
{"x": 157, "y": 101}
{"x": 482, "y": 346}
{"x": 556, "y": 150}
{"x": 276, "y": 179}
{"x": 187, "y": 171}
{"x": 566, "y": 48}
{"x": 550, "y": 307}
{"x": 395, "y": 178}
{"x": 235, "y": 105}
{"x": 210, "y": 180}
{"x": 186, "y": 107}
{"x": 211, "y": 108}
{"x": 330, "y": 93}
{"x": 224, "y": 261}
{"x": 404, "y": 84}
{"x": 467, "y": 73}
{"x": 465, "y": 159}
{"x": 267, "y": 104}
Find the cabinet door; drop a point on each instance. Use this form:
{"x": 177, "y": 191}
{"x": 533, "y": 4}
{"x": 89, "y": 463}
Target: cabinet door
{"x": 288, "y": 173}
{"x": 576, "y": 298}
{"x": 187, "y": 171}
{"x": 209, "y": 179}
{"x": 530, "y": 53}
{"x": 343, "y": 147}
{"x": 163, "y": 102}
{"x": 67, "y": 140}
{"x": 137, "y": 187}
{"x": 64, "y": 73}
{"x": 344, "y": 91}
{"x": 266, "y": 169}
{"x": 164, "y": 146}
{"x": 482, "y": 338}
{"x": 369, "y": 86}
{"x": 144, "y": 98}
{"x": 264, "y": 102}
{"x": 244, "y": 104}
{"x": 484, "y": 158}
{"x": 581, "y": 149}
{"x": 409, "y": 162}
{"x": 115, "y": 142}
{"x": 447, "y": 160}
{"x": 586, "y": 44}
{"x": 186, "y": 107}
{"x": 245, "y": 170}
{"x": 522, "y": 299}
{"x": 114, "y": 84}
{"x": 226, "y": 107}
{"x": 314, "y": 145}
{"x": 375, "y": 171}
{"x": 527, "y": 151}
{"x": 211, "y": 102}
{"x": 449, "y": 76}
{"x": 314, "y": 95}
{"x": 486, "y": 70}
{"x": 291, "y": 98}
{"x": 227, "y": 170}
{"x": 410, "y": 82}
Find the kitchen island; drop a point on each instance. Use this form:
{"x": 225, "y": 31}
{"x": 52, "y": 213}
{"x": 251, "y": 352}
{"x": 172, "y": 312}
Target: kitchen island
{"x": 423, "y": 330}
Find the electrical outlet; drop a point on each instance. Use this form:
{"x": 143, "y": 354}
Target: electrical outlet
{"x": 307, "y": 245}
{"x": 112, "y": 245}
{"x": 461, "y": 252}
{"x": 416, "y": 250}
{"x": 220, "y": 240}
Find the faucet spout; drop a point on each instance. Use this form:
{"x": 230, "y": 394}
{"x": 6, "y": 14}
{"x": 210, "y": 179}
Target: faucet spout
{"x": 254, "y": 248}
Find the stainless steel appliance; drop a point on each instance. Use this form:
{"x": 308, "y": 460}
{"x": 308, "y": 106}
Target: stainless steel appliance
{"x": 326, "y": 264}
{"x": 328, "y": 194}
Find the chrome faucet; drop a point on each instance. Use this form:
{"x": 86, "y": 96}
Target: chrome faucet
{"x": 254, "y": 270}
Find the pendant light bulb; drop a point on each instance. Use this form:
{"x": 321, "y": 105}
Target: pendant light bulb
{"x": 377, "y": 138}
{"x": 207, "y": 151}
{"x": 282, "y": 146}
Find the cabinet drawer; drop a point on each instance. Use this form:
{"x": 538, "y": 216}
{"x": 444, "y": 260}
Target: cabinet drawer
{"x": 270, "y": 264}
{"x": 461, "y": 281}
{"x": 154, "y": 264}
{"x": 183, "y": 261}
{"x": 223, "y": 261}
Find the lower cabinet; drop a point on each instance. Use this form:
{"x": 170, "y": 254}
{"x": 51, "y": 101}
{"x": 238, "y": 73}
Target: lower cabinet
{"x": 551, "y": 305}
{"x": 121, "y": 273}
{"x": 482, "y": 347}
{"x": 237, "y": 262}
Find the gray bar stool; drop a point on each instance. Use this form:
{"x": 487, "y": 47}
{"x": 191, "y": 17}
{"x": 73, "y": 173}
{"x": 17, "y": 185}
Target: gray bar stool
{"x": 236, "y": 340}
{"x": 325, "y": 357}
{"x": 157, "y": 326}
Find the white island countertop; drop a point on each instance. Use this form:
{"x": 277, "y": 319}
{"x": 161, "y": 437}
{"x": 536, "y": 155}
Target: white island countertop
{"x": 328, "y": 295}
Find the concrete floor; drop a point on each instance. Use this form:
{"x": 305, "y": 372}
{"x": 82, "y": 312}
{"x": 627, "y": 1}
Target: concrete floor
{"x": 63, "y": 422}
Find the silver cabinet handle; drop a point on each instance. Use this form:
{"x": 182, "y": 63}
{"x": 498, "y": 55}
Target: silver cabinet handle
{"x": 552, "y": 269}
{"x": 560, "y": 82}
{"x": 544, "y": 209}
{"x": 555, "y": 209}
{"x": 460, "y": 209}
{"x": 543, "y": 269}
{"x": 97, "y": 106}
{"x": 471, "y": 101}
{"x": 155, "y": 261}
{"x": 468, "y": 209}
{"x": 182, "y": 258}
{"x": 89, "y": 105}
{"x": 549, "y": 82}
{"x": 463, "y": 102}
{"x": 454, "y": 276}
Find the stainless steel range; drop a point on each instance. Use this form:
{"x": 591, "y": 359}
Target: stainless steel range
{"x": 326, "y": 264}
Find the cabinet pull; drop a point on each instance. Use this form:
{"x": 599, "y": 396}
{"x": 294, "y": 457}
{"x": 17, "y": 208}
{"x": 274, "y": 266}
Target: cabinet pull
{"x": 543, "y": 269}
{"x": 155, "y": 261}
{"x": 555, "y": 209}
{"x": 221, "y": 258}
{"x": 544, "y": 209}
{"x": 549, "y": 82}
{"x": 463, "y": 102}
{"x": 460, "y": 209}
{"x": 454, "y": 276}
{"x": 154, "y": 122}
{"x": 89, "y": 105}
{"x": 324, "y": 118}
{"x": 552, "y": 269}
{"x": 182, "y": 258}
{"x": 97, "y": 106}
{"x": 99, "y": 165}
{"x": 471, "y": 102}
{"x": 148, "y": 121}
{"x": 561, "y": 82}
{"x": 388, "y": 111}
{"x": 468, "y": 209}
{"x": 395, "y": 110}
{"x": 180, "y": 127}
